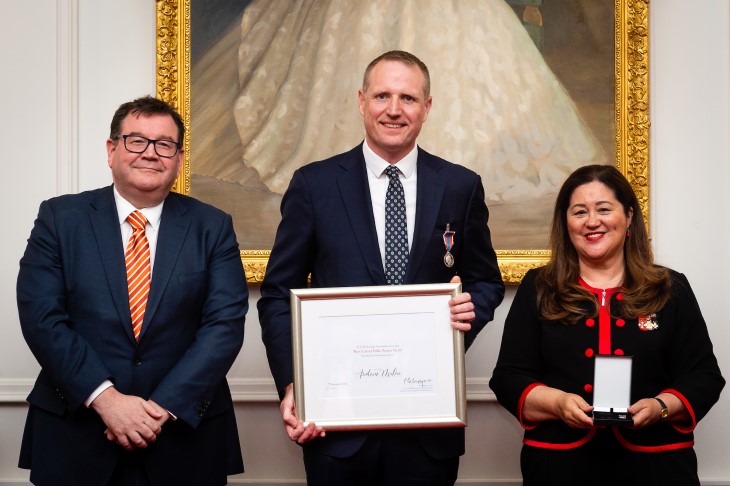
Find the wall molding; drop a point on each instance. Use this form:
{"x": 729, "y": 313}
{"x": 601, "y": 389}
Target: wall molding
{"x": 243, "y": 390}
{"x": 301, "y": 482}
{"x": 67, "y": 97}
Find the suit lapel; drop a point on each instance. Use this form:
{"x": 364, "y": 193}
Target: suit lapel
{"x": 429, "y": 195}
{"x": 105, "y": 224}
{"x": 174, "y": 225}
{"x": 355, "y": 192}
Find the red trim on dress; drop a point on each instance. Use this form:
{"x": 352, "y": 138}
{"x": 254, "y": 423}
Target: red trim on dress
{"x": 521, "y": 402}
{"x": 604, "y": 316}
{"x": 690, "y": 410}
{"x": 604, "y": 324}
{"x": 657, "y": 448}
{"x": 561, "y": 447}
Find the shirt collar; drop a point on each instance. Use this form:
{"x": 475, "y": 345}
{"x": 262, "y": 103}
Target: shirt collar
{"x": 124, "y": 207}
{"x": 377, "y": 165}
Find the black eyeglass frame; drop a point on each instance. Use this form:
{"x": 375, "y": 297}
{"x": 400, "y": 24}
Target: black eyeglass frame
{"x": 150, "y": 141}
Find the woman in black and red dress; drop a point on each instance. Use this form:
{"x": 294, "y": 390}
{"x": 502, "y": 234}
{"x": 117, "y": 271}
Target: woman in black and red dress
{"x": 602, "y": 294}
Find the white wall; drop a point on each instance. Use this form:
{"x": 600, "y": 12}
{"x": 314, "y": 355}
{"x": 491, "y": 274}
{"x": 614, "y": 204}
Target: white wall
{"x": 66, "y": 67}
{"x": 690, "y": 177}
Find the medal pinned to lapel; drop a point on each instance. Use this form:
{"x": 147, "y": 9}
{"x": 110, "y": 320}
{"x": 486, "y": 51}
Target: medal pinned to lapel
{"x": 648, "y": 323}
{"x": 448, "y": 244}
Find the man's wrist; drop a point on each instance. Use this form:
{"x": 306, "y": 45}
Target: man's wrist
{"x": 104, "y": 385}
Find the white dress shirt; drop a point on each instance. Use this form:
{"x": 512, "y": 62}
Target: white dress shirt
{"x": 378, "y": 182}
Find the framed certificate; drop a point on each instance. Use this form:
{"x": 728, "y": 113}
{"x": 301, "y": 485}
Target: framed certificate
{"x": 378, "y": 357}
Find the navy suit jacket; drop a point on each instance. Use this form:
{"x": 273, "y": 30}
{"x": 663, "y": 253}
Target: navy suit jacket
{"x": 328, "y": 230}
{"x": 74, "y": 313}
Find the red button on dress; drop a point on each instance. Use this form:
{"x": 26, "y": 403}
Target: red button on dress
{"x": 589, "y": 353}
{"x": 620, "y": 322}
{"x": 619, "y": 352}
{"x": 588, "y": 388}
{"x": 590, "y": 322}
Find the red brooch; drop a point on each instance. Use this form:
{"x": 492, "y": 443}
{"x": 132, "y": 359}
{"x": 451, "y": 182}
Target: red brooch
{"x": 648, "y": 323}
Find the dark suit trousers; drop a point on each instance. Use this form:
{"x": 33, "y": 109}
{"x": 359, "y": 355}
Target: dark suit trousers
{"x": 388, "y": 458}
{"x": 129, "y": 471}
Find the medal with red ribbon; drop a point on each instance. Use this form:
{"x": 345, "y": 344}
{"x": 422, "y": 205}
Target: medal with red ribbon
{"x": 448, "y": 244}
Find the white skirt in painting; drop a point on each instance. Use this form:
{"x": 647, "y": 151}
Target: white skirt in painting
{"x": 497, "y": 107}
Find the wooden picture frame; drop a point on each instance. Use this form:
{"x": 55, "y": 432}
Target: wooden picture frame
{"x": 631, "y": 113}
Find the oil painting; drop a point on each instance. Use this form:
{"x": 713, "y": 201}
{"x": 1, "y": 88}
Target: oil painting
{"x": 524, "y": 92}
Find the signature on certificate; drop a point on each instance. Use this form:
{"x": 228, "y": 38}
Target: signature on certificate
{"x": 407, "y": 383}
{"x": 425, "y": 383}
{"x": 379, "y": 373}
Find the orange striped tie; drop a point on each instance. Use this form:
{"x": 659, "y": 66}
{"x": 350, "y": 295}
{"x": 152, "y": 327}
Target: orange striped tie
{"x": 137, "y": 259}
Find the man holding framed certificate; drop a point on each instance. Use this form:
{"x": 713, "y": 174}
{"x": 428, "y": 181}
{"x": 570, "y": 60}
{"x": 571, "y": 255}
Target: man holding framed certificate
{"x": 384, "y": 213}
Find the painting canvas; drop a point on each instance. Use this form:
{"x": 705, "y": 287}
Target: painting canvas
{"x": 524, "y": 92}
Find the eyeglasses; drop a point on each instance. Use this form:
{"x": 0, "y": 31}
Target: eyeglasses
{"x": 137, "y": 145}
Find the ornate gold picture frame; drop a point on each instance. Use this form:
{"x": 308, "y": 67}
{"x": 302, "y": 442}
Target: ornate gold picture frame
{"x": 631, "y": 112}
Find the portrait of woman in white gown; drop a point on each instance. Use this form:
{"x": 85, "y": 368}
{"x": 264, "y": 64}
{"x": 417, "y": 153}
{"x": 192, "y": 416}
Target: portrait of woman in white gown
{"x": 281, "y": 91}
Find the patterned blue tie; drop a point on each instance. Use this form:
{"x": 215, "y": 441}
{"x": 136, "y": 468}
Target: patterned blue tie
{"x": 396, "y": 233}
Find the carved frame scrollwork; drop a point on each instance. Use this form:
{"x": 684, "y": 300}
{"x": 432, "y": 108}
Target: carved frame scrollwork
{"x": 631, "y": 68}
